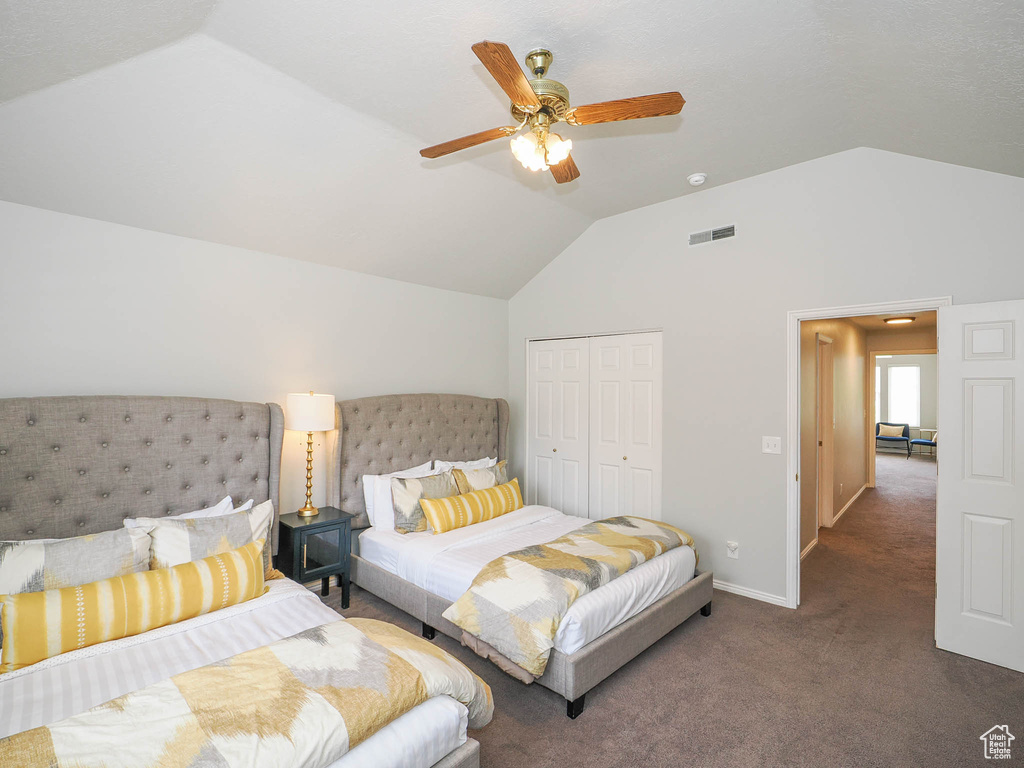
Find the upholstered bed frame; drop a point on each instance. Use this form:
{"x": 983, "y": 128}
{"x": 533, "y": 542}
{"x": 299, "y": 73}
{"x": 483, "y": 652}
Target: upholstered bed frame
{"x": 383, "y": 434}
{"x": 76, "y": 465}
{"x": 70, "y": 466}
{"x": 377, "y": 435}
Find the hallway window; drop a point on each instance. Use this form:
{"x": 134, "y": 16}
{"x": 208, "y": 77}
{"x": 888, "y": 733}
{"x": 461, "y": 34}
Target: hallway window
{"x": 905, "y": 395}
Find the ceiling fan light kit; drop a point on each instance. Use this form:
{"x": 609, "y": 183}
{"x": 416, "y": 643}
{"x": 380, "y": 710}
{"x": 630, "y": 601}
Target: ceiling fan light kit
{"x": 540, "y": 103}
{"x": 538, "y": 152}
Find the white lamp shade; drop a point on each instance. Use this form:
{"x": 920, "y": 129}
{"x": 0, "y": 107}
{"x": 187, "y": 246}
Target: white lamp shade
{"x": 306, "y": 412}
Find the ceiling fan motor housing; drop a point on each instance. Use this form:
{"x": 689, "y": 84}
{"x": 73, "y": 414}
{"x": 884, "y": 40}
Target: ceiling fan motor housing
{"x": 553, "y": 96}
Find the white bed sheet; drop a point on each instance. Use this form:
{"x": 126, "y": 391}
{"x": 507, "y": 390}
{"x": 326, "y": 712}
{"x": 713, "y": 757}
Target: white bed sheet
{"x": 73, "y": 682}
{"x": 446, "y": 564}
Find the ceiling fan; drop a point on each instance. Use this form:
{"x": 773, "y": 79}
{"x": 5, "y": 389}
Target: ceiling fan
{"x": 539, "y": 104}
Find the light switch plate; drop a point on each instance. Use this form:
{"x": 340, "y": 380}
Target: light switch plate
{"x": 771, "y": 444}
{"x": 732, "y": 549}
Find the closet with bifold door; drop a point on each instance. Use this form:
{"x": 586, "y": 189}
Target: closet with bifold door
{"x": 594, "y": 418}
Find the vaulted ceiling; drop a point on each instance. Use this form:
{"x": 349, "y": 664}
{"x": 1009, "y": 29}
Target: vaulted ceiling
{"x": 294, "y": 128}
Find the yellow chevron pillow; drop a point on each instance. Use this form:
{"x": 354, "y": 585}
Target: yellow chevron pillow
{"x": 40, "y": 625}
{"x": 459, "y": 511}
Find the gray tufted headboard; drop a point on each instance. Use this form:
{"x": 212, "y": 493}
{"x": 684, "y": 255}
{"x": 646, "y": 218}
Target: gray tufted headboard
{"x": 76, "y": 465}
{"x": 377, "y": 435}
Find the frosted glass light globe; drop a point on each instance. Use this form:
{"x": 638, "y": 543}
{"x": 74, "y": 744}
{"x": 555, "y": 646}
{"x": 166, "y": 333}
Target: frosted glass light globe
{"x": 527, "y": 150}
{"x": 558, "y": 148}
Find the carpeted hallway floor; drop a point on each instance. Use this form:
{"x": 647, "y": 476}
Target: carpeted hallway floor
{"x": 851, "y": 678}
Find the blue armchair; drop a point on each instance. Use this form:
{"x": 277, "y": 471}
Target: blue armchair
{"x": 930, "y": 444}
{"x": 904, "y": 438}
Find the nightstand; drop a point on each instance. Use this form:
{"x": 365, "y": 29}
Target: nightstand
{"x": 317, "y": 547}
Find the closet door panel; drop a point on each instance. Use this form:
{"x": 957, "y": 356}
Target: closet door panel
{"x": 545, "y": 410}
{"x": 541, "y": 486}
{"x": 641, "y": 483}
{"x": 573, "y": 488}
{"x": 607, "y": 413}
{"x": 606, "y": 499}
{"x": 559, "y": 435}
{"x": 625, "y": 382}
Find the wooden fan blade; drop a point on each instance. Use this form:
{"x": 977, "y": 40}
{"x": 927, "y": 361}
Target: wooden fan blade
{"x": 504, "y": 68}
{"x": 565, "y": 170}
{"x": 439, "y": 150}
{"x": 656, "y": 105}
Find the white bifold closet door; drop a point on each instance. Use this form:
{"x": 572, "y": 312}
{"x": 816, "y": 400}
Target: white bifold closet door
{"x": 595, "y": 425}
{"x": 625, "y": 425}
{"x": 559, "y": 441}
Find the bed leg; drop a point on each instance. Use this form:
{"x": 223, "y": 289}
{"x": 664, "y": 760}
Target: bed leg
{"x": 706, "y": 610}
{"x": 574, "y": 708}
{"x": 428, "y": 631}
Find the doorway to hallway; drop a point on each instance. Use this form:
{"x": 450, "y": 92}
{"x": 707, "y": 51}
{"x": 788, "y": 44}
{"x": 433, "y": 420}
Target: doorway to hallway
{"x": 856, "y": 333}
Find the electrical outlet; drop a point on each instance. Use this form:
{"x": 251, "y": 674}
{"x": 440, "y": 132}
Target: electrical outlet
{"x": 771, "y": 445}
{"x": 732, "y": 549}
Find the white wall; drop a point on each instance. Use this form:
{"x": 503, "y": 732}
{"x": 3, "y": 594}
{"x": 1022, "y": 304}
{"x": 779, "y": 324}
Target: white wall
{"x": 860, "y": 226}
{"x": 88, "y": 307}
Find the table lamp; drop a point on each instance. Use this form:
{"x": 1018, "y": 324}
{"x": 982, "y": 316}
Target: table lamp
{"x": 309, "y": 413}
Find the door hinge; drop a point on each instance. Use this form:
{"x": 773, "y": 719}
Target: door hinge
{"x": 798, "y": 477}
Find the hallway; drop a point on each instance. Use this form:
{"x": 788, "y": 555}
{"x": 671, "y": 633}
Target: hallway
{"x": 883, "y": 547}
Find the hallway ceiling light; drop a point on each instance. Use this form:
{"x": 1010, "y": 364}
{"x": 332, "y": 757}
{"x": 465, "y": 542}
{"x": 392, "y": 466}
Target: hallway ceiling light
{"x": 899, "y": 320}
{"x": 696, "y": 179}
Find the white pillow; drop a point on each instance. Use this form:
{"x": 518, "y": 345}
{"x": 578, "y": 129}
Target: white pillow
{"x": 483, "y": 463}
{"x": 223, "y": 507}
{"x": 244, "y": 508}
{"x": 370, "y": 487}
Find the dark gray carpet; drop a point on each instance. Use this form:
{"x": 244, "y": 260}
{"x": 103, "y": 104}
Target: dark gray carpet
{"x": 851, "y": 678}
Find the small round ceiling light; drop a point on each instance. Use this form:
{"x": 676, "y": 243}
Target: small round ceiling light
{"x": 899, "y": 320}
{"x": 696, "y": 179}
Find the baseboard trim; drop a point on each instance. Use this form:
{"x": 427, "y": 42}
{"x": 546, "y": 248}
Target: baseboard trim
{"x": 754, "y": 594}
{"x": 849, "y": 503}
{"x": 809, "y": 547}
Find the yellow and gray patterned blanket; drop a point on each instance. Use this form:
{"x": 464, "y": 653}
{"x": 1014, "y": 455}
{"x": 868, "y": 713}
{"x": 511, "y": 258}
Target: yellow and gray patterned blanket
{"x": 300, "y": 702}
{"x": 517, "y": 601}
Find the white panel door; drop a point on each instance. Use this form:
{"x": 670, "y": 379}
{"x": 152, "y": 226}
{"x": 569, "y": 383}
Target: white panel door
{"x": 625, "y": 425}
{"x": 558, "y": 443}
{"x": 979, "y": 604}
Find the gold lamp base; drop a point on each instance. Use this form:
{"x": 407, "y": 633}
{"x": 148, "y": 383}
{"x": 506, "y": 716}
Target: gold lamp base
{"x": 309, "y": 510}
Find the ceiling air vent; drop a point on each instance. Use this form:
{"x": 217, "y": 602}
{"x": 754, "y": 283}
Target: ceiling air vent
{"x": 708, "y": 235}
